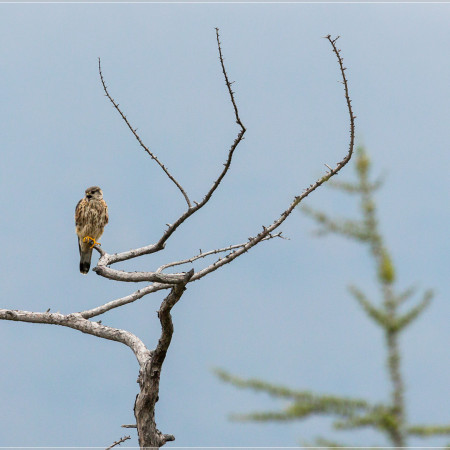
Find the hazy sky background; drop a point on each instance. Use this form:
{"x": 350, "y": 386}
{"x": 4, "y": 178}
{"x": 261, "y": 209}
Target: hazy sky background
{"x": 280, "y": 312}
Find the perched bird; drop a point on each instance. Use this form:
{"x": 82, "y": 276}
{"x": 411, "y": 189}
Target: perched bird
{"x": 91, "y": 216}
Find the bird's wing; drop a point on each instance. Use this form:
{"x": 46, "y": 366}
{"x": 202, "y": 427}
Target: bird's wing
{"x": 106, "y": 212}
{"x": 78, "y": 209}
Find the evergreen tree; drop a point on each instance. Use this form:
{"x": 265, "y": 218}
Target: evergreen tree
{"x": 352, "y": 413}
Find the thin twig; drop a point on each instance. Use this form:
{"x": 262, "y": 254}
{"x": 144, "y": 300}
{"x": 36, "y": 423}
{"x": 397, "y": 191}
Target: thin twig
{"x": 240, "y": 135}
{"x": 133, "y": 130}
{"x": 347, "y": 97}
{"x": 211, "y": 252}
{"x": 125, "y": 438}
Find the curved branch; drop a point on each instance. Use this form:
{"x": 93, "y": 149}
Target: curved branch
{"x": 117, "y": 257}
{"x": 88, "y": 314}
{"x": 133, "y": 130}
{"x": 77, "y": 322}
{"x": 268, "y": 230}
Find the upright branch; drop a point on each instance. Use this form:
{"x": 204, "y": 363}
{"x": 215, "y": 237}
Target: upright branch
{"x": 150, "y": 373}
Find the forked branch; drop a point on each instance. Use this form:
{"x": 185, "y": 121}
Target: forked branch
{"x": 265, "y": 233}
{"x": 151, "y": 361}
{"x": 117, "y": 257}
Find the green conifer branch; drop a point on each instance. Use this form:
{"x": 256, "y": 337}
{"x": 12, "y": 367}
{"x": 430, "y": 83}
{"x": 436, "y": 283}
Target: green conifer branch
{"x": 348, "y": 228}
{"x": 353, "y": 188}
{"x": 376, "y": 313}
{"x": 323, "y": 442}
{"x": 406, "y": 319}
{"x": 304, "y": 402}
{"x": 269, "y": 416}
{"x": 380, "y": 417}
{"x": 405, "y": 295}
{"x": 258, "y": 385}
{"x": 428, "y": 430}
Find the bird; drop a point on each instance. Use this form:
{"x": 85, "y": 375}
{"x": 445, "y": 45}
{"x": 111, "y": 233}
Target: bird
{"x": 91, "y": 216}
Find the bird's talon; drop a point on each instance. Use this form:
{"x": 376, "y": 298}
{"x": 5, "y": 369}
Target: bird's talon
{"x": 89, "y": 238}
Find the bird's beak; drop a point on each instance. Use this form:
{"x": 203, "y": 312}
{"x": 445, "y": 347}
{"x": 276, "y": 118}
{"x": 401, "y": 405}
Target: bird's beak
{"x": 89, "y": 196}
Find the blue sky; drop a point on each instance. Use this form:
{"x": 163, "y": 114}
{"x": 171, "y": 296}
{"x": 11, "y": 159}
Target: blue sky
{"x": 280, "y": 312}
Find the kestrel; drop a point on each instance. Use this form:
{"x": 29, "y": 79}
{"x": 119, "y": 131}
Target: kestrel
{"x": 91, "y": 216}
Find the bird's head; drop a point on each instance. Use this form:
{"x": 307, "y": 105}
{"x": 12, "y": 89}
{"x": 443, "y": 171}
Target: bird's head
{"x": 94, "y": 193}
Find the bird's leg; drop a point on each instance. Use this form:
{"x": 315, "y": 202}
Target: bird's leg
{"x": 89, "y": 238}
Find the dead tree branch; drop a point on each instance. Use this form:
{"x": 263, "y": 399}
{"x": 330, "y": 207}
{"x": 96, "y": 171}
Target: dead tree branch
{"x": 125, "y": 438}
{"x": 117, "y": 257}
{"x": 151, "y": 362}
{"x": 212, "y": 252}
{"x": 88, "y": 314}
{"x": 150, "y": 373}
{"x": 106, "y": 259}
{"x": 133, "y": 130}
{"x": 77, "y": 322}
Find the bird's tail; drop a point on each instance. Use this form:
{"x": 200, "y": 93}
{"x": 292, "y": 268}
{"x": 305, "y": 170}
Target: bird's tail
{"x": 85, "y": 261}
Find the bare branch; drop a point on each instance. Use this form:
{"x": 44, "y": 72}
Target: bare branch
{"x": 133, "y": 130}
{"x": 77, "y": 322}
{"x": 239, "y": 137}
{"x": 106, "y": 259}
{"x": 192, "y": 209}
{"x": 212, "y": 252}
{"x": 125, "y": 438}
{"x": 88, "y": 314}
{"x": 135, "y": 277}
{"x": 267, "y": 230}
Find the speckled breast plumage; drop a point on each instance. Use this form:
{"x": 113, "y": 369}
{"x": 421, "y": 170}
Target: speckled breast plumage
{"x": 90, "y": 219}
